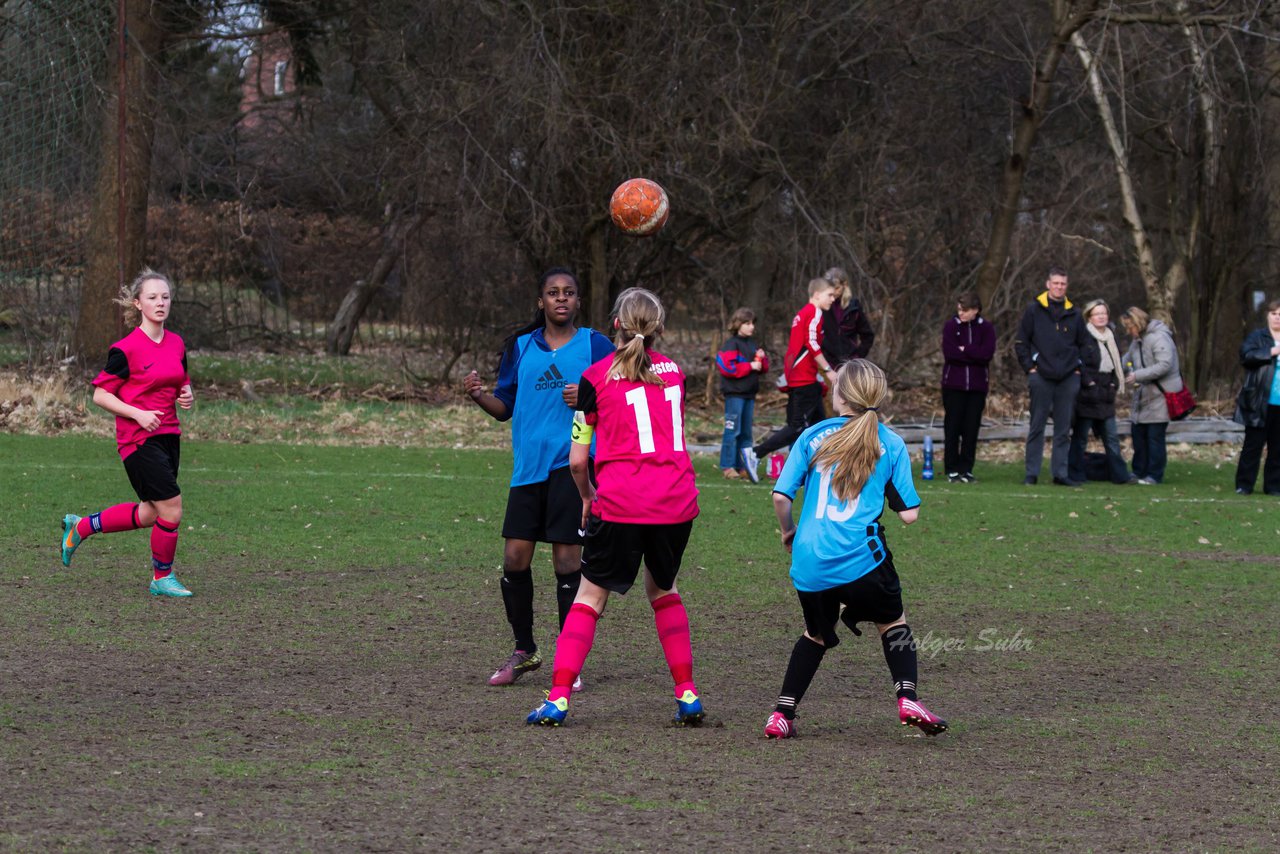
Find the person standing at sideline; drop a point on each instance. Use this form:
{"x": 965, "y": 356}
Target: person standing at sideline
{"x": 1052, "y": 346}
{"x": 643, "y": 508}
{"x": 144, "y": 382}
{"x": 803, "y": 365}
{"x": 1152, "y": 369}
{"x": 1096, "y": 403}
{"x": 852, "y": 468}
{"x": 740, "y": 362}
{"x": 536, "y": 390}
{"x": 1258, "y": 406}
{"x": 968, "y": 345}
{"x": 847, "y": 333}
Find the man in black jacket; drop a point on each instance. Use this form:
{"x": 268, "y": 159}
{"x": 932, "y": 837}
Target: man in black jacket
{"x": 1051, "y": 345}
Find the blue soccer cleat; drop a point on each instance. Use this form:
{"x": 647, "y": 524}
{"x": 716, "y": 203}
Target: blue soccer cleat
{"x": 689, "y": 710}
{"x": 550, "y": 713}
{"x": 70, "y": 537}
{"x": 169, "y": 586}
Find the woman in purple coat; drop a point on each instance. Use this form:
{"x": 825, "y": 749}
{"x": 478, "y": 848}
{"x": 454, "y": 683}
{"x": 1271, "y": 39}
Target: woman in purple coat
{"x": 968, "y": 344}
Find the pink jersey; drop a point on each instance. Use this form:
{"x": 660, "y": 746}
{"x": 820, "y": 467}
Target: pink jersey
{"x": 149, "y": 376}
{"x": 643, "y": 471}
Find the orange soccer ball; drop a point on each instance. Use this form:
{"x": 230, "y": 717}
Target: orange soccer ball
{"x": 639, "y": 207}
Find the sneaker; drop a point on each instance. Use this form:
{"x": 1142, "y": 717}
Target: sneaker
{"x": 779, "y": 727}
{"x": 1030, "y": 480}
{"x": 730, "y": 474}
{"x": 1147, "y": 481}
{"x": 1066, "y": 481}
{"x": 689, "y": 710}
{"x": 752, "y": 464}
{"x": 169, "y": 586}
{"x": 953, "y": 477}
{"x": 550, "y": 713}
{"x": 1240, "y": 490}
{"x": 514, "y": 667}
{"x": 968, "y": 477}
{"x": 577, "y": 684}
{"x": 913, "y": 713}
{"x": 70, "y": 537}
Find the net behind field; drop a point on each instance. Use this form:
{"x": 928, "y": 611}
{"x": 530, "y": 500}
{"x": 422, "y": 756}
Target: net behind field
{"x": 52, "y": 55}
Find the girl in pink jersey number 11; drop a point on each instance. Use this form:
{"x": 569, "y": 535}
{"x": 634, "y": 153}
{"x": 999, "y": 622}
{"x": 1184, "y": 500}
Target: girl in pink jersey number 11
{"x": 144, "y": 382}
{"x": 641, "y": 507}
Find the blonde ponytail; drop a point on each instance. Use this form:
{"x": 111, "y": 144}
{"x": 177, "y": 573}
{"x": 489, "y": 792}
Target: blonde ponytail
{"x": 639, "y": 317}
{"x": 853, "y": 451}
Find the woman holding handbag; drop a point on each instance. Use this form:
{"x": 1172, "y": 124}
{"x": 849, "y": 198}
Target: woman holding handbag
{"x": 1151, "y": 367}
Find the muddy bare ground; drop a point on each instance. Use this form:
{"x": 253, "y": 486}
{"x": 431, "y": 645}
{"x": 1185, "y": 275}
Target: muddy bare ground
{"x": 276, "y": 712}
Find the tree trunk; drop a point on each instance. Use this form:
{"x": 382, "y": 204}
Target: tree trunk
{"x": 756, "y": 263}
{"x": 343, "y": 329}
{"x": 1067, "y": 19}
{"x": 117, "y": 234}
{"x": 598, "y": 282}
{"x": 1157, "y": 304}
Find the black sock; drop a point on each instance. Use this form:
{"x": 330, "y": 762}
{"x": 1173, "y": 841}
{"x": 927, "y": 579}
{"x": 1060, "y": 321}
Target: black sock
{"x": 805, "y": 658}
{"x": 517, "y": 596}
{"x": 900, "y": 654}
{"x": 566, "y": 592}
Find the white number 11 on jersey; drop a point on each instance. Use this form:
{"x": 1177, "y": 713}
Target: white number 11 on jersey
{"x": 637, "y": 400}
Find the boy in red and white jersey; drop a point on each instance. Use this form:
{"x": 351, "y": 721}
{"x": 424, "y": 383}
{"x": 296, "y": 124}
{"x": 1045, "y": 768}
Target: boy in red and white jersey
{"x": 643, "y": 507}
{"x": 802, "y": 367}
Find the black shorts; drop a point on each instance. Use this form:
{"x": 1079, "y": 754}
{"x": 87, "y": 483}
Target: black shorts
{"x": 153, "y": 468}
{"x": 875, "y": 597}
{"x": 613, "y": 551}
{"x": 545, "y": 512}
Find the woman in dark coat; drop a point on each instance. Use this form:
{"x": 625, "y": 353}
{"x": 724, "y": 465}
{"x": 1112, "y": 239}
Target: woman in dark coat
{"x": 1096, "y": 402}
{"x": 1258, "y": 406}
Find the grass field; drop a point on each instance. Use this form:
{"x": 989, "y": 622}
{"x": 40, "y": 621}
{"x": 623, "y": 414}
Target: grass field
{"x": 1107, "y": 658}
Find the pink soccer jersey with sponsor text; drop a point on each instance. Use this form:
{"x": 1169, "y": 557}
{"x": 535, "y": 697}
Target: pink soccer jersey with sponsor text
{"x": 643, "y": 472}
{"x": 149, "y": 375}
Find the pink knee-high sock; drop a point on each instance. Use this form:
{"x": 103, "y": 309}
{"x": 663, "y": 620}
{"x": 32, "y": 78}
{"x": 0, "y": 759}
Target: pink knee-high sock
{"x": 118, "y": 517}
{"x": 164, "y": 544}
{"x": 572, "y": 647}
{"x": 672, "y": 621}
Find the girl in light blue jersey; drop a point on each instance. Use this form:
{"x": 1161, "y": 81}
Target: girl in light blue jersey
{"x": 851, "y": 468}
{"x": 537, "y": 388}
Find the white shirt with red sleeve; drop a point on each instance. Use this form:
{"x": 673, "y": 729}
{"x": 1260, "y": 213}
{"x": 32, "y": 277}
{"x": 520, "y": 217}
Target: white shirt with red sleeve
{"x": 149, "y": 375}
{"x": 804, "y": 347}
{"x": 643, "y": 471}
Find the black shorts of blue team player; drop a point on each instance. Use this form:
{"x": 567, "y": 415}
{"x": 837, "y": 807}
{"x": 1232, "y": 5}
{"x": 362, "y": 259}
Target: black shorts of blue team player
{"x": 153, "y": 468}
{"x": 613, "y": 552}
{"x": 546, "y": 512}
{"x": 875, "y": 597}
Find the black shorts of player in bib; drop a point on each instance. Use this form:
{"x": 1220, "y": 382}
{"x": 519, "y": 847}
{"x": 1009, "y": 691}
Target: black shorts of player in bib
{"x": 545, "y": 512}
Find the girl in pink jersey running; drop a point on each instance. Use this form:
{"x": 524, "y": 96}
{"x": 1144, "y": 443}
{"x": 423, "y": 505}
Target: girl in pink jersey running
{"x": 144, "y": 381}
{"x": 643, "y": 507}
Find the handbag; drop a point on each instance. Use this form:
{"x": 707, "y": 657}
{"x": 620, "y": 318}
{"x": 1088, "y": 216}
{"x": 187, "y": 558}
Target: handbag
{"x": 1180, "y": 403}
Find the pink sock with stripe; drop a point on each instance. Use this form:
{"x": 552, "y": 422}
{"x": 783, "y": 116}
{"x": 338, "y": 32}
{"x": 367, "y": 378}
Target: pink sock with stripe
{"x": 118, "y": 517}
{"x": 572, "y": 647}
{"x": 672, "y": 621}
{"x": 164, "y": 545}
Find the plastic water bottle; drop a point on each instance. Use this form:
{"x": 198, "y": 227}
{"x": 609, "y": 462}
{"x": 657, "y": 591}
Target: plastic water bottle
{"x": 927, "y": 474}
